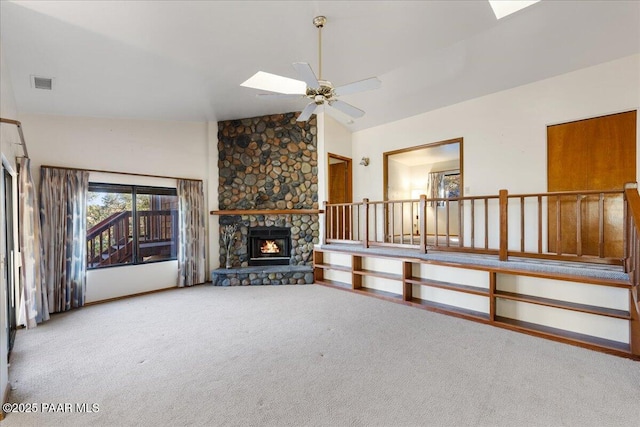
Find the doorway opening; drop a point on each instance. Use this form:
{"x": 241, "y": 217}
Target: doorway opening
{"x": 340, "y": 190}
{"x": 435, "y": 170}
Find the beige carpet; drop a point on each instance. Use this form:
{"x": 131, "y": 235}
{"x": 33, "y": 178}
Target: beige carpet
{"x": 306, "y": 355}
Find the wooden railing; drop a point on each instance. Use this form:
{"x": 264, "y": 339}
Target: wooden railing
{"x": 110, "y": 241}
{"x": 632, "y": 246}
{"x": 587, "y": 226}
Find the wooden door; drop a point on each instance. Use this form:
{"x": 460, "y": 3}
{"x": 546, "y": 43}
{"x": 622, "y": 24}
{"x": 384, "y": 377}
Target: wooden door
{"x": 592, "y": 154}
{"x": 340, "y": 191}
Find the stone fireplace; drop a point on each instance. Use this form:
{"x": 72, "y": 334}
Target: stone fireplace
{"x": 269, "y": 246}
{"x": 268, "y": 178}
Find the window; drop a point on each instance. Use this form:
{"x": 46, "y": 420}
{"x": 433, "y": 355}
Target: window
{"x": 450, "y": 185}
{"x": 129, "y": 224}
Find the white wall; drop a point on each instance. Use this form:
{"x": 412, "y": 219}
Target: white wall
{"x": 505, "y": 142}
{"x": 169, "y": 149}
{"x": 332, "y": 138}
{"x": 504, "y": 133}
{"x": 335, "y": 139}
{"x": 9, "y": 137}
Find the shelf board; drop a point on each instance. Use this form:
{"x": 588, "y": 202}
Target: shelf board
{"x": 583, "y": 308}
{"x": 449, "y": 309}
{"x": 380, "y": 274}
{"x": 335, "y": 267}
{"x": 449, "y": 286}
{"x": 584, "y": 340}
{"x": 380, "y": 294}
{"x": 333, "y": 284}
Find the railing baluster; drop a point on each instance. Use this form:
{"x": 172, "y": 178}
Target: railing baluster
{"x": 504, "y": 225}
{"x": 486, "y": 223}
{"x": 401, "y": 223}
{"x": 601, "y": 225}
{"x": 393, "y": 220}
{"x": 448, "y": 224}
{"x": 460, "y": 225}
{"x": 558, "y": 226}
{"x": 521, "y": 223}
{"x": 422, "y": 224}
{"x": 579, "y": 225}
{"x": 375, "y": 223}
{"x": 365, "y": 238}
{"x": 344, "y": 222}
{"x": 412, "y": 218}
{"x": 539, "y": 224}
{"x": 435, "y": 211}
{"x": 473, "y": 224}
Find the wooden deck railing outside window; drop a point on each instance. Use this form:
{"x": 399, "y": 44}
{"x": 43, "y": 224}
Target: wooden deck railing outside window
{"x": 586, "y": 226}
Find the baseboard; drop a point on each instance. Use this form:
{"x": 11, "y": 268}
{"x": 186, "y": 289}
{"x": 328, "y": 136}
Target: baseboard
{"x": 5, "y": 399}
{"x": 102, "y": 301}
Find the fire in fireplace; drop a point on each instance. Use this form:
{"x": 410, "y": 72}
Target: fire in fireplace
{"x": 269, "y": 246}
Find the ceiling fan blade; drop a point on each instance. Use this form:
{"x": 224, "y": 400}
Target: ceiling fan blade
{"x": 306, "y": 74}
{"x": 280, "y": 96}
{"x": 306, "y": 113}
{"x": 359, "y": 86}
{"x": 347, "y": 108}
{"x": 338, "y": 115}
{"x": 275, "y": 83}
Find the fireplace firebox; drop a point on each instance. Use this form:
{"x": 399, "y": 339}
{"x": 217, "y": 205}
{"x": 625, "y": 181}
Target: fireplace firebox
{"x": 269, "y": 246}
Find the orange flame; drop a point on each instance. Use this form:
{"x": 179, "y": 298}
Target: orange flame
{"x": 269, "y": 247}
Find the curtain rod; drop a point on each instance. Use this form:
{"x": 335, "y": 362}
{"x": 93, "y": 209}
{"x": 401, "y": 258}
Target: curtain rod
{"x": 19, "y": 126}
{"x": 119, "y": 173}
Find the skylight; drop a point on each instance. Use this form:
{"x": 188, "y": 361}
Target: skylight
{"x": 275, "y": 83}
{"x": 502, "y": 8}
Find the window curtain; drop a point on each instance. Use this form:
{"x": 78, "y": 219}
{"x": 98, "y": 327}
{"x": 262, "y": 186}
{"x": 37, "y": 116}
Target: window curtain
{"x": 191, "y": 241}
{"x": 63, "y": 214}
{"x": 33, "y": 305}
{"x": 433, "y": 187}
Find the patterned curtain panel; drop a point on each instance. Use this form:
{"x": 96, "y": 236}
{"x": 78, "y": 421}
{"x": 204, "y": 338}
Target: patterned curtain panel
{"x": 33, "y": 305}
{"x": 433, "y": 186}
{"x": 191, "y": 243}
{"x": 63, "y": 214}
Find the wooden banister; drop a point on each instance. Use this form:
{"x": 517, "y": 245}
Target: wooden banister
{"x": 486, "y": 219}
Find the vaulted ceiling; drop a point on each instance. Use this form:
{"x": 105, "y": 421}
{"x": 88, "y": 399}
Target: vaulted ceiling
{"x": 185, "y": 60}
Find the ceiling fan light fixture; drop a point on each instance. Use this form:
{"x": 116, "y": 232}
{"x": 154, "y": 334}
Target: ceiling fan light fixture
{"x": 318, "y": 91}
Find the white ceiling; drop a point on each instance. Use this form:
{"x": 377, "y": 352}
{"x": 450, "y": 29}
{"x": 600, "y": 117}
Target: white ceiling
{"x": 185, "y": 60}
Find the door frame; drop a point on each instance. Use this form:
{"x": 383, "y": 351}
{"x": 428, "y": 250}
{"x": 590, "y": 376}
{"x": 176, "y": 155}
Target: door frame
{"x": 10, "y": 269}
{"x": 385, "y": 171}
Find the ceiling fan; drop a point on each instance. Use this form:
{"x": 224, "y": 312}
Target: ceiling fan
{"x": 319, "y": 91}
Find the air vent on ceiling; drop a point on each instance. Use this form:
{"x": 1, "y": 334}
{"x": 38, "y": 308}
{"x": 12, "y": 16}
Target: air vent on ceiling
{"x": 42, "y": 82}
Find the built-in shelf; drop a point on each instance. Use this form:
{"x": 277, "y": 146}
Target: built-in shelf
{"x": 583, "y": 308}
{"x": 449, "y": 309}
{"x": 379, "y": 274}
{"x": 334, "y": 283}
{"x": 335, "y": 267}
{"x": 474, "y": 290}
{"x": 563, "y": 335}
{"x": 453, "y": 303}
{"x": 381, "y": 294}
